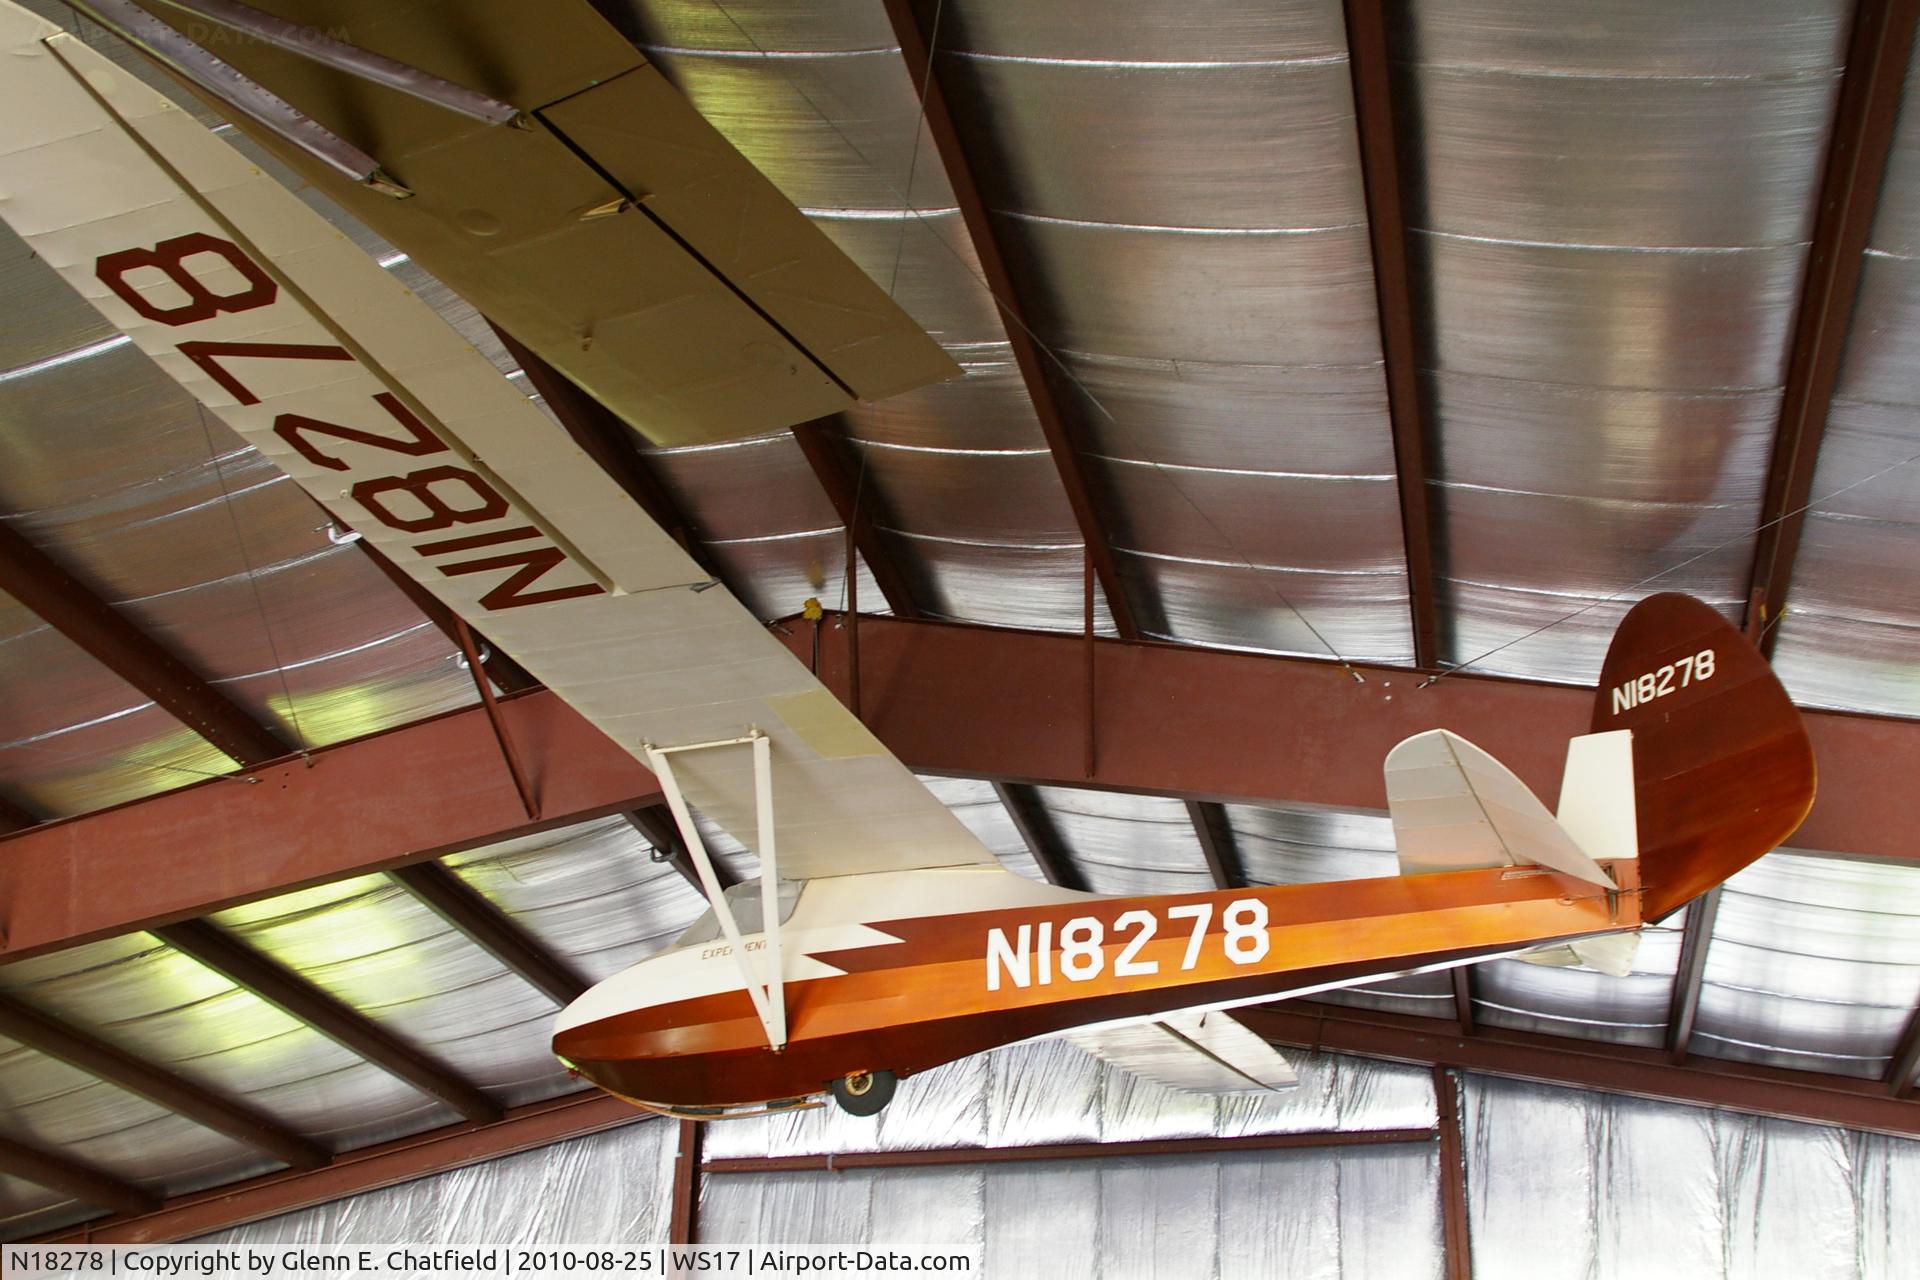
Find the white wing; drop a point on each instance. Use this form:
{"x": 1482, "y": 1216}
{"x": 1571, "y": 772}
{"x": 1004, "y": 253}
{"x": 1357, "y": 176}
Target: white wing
{"x": 616, "y": 619}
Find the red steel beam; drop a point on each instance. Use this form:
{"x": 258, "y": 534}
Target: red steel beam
{"x": 1462, "y": 976}
{"x": 683, "y": 1225}
{"x": 835, "y": 464}
{"x": 1215, "y": 834}
{"x": 470, "y": 652}
{"x": 56, "y": 1039}
{"x": 1369, "y": 64}
{"x": 1037, "y": 832}
{"x": 1453, "y": 1176}
{"x": 1690, "y": 972}
{"x": 1862, "y": 139}
{"x": 1011, "y": 706}
{"x": 63, "y": 603}
{"x": 90, "y": 1186}
{"x": 508, "y": 675}
{"x": 380, "y": 802}
{"x": 14, "y": 818}
{"x": 368, "y": 1169}
{"x": 1586, "y": 1064}
{"x": 1906, "y": 1060}
{"x": 491, "y": 929}
{"x": 1008, "y": 706}
{"x": 1057, "y": 424}
{"x": 299, "y": 998}
{"x": 948, "y": 1156}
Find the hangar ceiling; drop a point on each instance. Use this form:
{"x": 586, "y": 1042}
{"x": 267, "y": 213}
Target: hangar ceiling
{"x": 1411, "y": 336}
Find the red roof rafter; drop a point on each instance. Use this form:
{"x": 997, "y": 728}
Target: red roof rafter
{"x": 36, "y": 581}
{"x": 1862, "y": 139}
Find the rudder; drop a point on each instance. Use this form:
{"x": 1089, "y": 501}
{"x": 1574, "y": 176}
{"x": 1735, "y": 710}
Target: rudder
{"x": 1723, "y": 770}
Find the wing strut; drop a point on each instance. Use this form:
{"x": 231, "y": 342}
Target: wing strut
{"x": 766, "y": 988}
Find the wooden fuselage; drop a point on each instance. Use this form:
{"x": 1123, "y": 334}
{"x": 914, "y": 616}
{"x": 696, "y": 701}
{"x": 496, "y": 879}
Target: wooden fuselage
{"x": 903, "y": 971}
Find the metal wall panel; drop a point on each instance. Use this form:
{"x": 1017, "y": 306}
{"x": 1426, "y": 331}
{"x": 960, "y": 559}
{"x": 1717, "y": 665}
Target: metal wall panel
{"x": 1306, "y": 1214}
{"x": 1563, "y": 1183}
{"x": 611, "y": 1188}
{"x": 1050, "y": 1092}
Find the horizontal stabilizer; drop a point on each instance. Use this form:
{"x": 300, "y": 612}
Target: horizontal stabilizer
{"x": 1199, "y": 1052}
{"x": 1610, "y": 953}
{"x": 1456, "y": 808}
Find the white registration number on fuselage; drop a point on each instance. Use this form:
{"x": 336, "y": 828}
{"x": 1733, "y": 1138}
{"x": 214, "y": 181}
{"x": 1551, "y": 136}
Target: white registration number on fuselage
{"x": 1077, "y": 952}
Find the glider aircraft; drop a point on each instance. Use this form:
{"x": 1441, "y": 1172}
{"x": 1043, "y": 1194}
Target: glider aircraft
{"x": 881, "y": 938}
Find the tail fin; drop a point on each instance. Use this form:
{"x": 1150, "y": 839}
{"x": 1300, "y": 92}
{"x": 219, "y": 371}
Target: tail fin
{"x": 1722, "y": 768}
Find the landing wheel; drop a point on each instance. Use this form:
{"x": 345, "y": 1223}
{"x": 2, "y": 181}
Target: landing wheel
{"x": 864, "y": 1093}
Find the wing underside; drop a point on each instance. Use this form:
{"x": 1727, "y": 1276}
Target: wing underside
{"x": 284, "y": 328}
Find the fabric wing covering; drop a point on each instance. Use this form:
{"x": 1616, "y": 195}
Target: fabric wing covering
{"x": 296, "y": 338}
{"x": 1204, "y": 1052}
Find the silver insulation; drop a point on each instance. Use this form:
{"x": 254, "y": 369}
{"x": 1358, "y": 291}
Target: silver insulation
{"x": 976, "y": 805}
{"x": 1222, "y": 353}
{"x": 372, "y": 946}
{"x": 1851, "y": 633}
{"x": 763, "y": 516}
{"x": 1815, "y": 964}
{"x": 1127, "y": 844}
{"x": 1560, "y": 1183}
{"x": 591, "y": 894}
{"x": 1568, "y": 1184}
{"x": 610, "y": 1187}
{"x": 1609, "y": 222}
